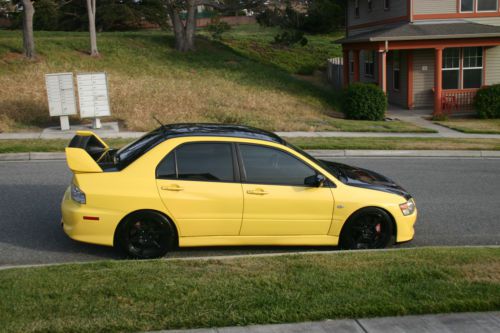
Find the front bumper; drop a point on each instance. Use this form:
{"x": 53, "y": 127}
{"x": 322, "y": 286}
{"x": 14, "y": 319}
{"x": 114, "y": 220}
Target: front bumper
{"x": 89, "y": 231}
{"x": 405, "y": 227}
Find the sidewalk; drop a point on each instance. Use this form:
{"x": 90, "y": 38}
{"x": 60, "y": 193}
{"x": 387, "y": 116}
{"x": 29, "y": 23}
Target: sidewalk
{"x": 449, "y": 323}
{"x": 111, "y": 130}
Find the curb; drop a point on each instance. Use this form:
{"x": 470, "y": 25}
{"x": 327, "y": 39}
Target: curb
{"x": 33, "y": 156}
{"x": 250, "y": 255}
{"x": 39, "y": 156}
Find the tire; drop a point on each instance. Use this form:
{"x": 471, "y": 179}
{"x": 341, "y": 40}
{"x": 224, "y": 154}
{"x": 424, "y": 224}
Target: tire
{"x": 369, "y": 228}
{"x": 145, "y": 235}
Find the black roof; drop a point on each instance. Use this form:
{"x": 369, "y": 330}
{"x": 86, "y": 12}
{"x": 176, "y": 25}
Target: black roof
{"x": 426, "y": 31}
{"x": 139, "y": 147}
{"x": 200, "y": 129}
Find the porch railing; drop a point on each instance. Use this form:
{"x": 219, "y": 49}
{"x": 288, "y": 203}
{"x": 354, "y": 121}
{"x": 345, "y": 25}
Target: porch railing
{"x": 458, "y": 100}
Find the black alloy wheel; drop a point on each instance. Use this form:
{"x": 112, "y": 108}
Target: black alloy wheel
{"x": 146, "y": 235}
{"x": 370, "y": 228}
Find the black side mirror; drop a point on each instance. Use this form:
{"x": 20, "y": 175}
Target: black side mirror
{"x": 315, "y": 181}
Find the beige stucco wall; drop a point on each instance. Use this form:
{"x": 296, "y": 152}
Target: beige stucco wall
{"x": 423, "y": 78}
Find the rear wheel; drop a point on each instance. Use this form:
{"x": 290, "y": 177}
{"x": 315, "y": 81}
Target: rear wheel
{"x": 370, "y": 228}
{"x": 145, "y": 235}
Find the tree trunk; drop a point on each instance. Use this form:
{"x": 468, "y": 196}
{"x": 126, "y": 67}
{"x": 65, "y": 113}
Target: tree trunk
{"x": 184, "y": 32}
{"x": 28, "y": 40}
{"x": 91, "y": 10}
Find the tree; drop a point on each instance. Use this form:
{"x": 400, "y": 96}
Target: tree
{"x": 28, "y": 40}
{"x": 91, "y": 10}
{"x": 184, "y": 29}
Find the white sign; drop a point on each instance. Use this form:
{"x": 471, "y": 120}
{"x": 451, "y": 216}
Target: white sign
{"x": 93, "y": 95}
{"x": 60, "y": 94}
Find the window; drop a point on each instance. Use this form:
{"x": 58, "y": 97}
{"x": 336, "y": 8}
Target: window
{"x": 369, "y": 63}
{"x": 396, "y": 65}
{"x": 468, "y": 61}
{"x": 356, "y": 8}
{"x": 473, "y": 67}
{"x": 487, "y": 5}
{"x": 265, "y": 165}
{"x": 451, "y": 68}
{"x": 387, "y": 4}
{"x": 351, "y": 66}
{"x": 370, "y": 5}
{"x": 470, "y": 6}
{"x": 198, "y": 161}
{"x": 467, "y": 6}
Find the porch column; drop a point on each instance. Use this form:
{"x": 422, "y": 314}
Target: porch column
{"x": 438, "y": 81}
{"x": 409, "y": 77}
{"x": 382, "y": 70}
{"x": 356, "y": 65}
{"x": 345, "y": 67}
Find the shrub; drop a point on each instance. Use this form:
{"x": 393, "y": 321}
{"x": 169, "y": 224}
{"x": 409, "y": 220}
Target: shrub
{"x": 217, "y": 27}
{"x": 364, "y": 101}
{"x": 290, "y": 37}
{"x": 487, "y": 102}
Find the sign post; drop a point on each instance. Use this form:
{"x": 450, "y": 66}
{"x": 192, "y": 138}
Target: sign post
{"x": 61, "y": 97}
{"x": 93, "y": 96}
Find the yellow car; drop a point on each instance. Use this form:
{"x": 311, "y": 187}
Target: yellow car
{"x": 204, "y": 184}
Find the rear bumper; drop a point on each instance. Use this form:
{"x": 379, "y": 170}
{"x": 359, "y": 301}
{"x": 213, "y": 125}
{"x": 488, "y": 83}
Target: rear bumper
{"x": 405, "y": 226}
{"x": 89, "y": 231}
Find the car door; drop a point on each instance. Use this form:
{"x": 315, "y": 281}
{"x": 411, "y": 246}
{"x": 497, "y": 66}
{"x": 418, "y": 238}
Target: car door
{"x": 199, "y": 185}
{"x": 276, "y": 200}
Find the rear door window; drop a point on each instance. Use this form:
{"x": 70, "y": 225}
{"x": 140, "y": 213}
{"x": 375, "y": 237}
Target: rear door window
{"x": 203, "y": 161}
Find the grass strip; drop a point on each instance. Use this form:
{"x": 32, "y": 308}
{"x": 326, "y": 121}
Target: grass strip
{"x": 473, "y": 126}
{"x": 57, "y": 145}
{"x": 132, "y": 296}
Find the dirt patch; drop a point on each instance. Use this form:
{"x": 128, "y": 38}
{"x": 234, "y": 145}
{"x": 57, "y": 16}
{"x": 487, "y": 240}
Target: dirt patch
{"x": 482, "y": 272}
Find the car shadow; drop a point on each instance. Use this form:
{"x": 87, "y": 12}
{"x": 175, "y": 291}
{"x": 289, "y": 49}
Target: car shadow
{"x": 30, "y": 219}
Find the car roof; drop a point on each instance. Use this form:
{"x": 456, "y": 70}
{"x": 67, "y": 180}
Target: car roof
{"x": 136, "y": 149}
{"x": 200, "y": 129}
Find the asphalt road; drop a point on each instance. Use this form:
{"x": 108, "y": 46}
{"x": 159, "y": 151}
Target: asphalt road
{"x": 458, "y": 201}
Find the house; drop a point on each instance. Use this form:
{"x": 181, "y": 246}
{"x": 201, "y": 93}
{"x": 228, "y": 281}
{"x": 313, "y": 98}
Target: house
{"x": 431, "y": 54}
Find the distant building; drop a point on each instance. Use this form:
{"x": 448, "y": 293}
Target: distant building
{"x": 423, "y": 53}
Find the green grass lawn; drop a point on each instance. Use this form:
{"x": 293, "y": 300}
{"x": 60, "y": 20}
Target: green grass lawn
{"x": 485, "y": 126}
{"x": 255, "y": 42}
{"x": 397, "y": 143}
{"x": 131, "y": 296}
{"x": 218, "y": 83}
{"x": 57, "y": 145}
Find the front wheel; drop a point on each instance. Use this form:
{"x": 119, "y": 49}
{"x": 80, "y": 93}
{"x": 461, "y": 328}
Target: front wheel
{"x": 145, "y": 235}
{"x": 370, "y": 228}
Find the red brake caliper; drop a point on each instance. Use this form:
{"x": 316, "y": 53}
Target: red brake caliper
{"x": 378, "y": 228}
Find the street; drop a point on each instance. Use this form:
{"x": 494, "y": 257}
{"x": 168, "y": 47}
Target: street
{"x": 458, "y": 202}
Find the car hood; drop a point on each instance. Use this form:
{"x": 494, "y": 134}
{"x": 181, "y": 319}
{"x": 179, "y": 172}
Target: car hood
{"x": 359, "y": 177}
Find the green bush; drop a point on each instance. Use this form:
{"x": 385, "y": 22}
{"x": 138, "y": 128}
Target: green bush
{"x": 487, "y": 102}
{"x": 364, "y": 101}
{"x": 290, "y": 37}
{"x": 217, "y": 27}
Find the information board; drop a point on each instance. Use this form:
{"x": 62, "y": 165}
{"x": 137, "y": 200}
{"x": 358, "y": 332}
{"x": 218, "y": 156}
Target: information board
{"x": 60, "y": 94}
{"x": 93, "y": 95}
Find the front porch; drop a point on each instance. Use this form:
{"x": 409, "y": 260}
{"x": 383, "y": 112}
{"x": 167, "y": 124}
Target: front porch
{"x": 423, "y": 72}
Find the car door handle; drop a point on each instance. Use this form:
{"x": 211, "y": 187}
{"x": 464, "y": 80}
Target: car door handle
{"x": 257, "y": 192}
{"x": 172, "y": 188}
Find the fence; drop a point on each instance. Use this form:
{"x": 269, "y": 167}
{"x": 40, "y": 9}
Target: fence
{"x": 458, "y": 100}
{"x": 335, "y": 72}
{"x": 231, "y": 20}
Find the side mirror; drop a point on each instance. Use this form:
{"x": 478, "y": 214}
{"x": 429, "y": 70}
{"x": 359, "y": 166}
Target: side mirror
{"x": 315, "y": 181}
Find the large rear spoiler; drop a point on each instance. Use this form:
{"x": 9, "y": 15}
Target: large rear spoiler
{"x": 85, "y": 151}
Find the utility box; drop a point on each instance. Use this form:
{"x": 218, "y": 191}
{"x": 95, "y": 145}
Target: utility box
{"x": 61, "y": 97}
{"x": 93, "y": 96}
